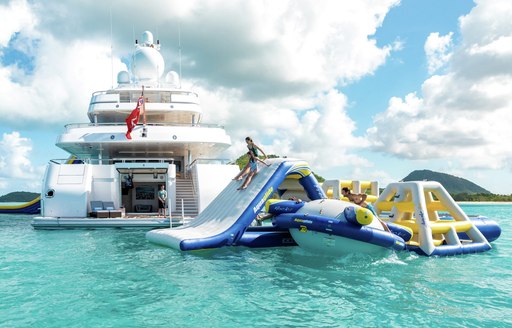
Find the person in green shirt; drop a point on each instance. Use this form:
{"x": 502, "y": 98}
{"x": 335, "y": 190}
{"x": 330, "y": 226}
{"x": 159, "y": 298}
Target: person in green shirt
{"x": 162, "y": 200}
{"x": 251, "y": 168}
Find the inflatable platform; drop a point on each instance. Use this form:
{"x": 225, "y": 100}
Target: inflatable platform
{"x": 32, "y": 207}
{"x": 415, "y": 216}
{"x": 423, "y": 206}
{"x": 333, "y": 227}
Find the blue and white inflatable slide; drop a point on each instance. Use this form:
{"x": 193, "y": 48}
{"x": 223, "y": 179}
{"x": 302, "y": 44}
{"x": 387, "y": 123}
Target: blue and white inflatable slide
{"x": 225, "y": 220}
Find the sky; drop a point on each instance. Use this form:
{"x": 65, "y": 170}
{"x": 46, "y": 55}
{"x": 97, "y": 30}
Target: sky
{"x": 367, "y": 89}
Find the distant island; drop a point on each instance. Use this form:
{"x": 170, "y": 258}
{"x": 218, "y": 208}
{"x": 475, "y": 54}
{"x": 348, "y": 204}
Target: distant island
{"x": 460, "y": 189}
{"x": 19, "y": 197}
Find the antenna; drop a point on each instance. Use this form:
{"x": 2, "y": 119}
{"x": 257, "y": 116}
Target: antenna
{"x": 179, "y": 47}
{"x": 111, "y": 49}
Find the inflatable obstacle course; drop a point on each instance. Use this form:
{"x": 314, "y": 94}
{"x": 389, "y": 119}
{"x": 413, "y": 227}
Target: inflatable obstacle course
{"x": 416, "y": 218}
{"x": 332, "y": 188}
{"x": 420, "y": 207}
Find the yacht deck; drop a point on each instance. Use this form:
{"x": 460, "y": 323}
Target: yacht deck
{"x": 129, "y": 221}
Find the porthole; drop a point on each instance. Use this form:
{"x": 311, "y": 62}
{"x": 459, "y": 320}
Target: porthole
{"x": 49, "y": 193}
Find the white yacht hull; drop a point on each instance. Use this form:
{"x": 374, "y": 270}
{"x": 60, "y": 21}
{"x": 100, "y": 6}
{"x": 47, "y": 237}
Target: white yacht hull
{"x": 144, "y": 134}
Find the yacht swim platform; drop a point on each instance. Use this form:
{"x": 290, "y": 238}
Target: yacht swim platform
{"x": 129, "y": 221}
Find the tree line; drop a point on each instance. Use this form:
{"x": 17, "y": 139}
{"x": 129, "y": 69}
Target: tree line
{"x": 465, "y": 197}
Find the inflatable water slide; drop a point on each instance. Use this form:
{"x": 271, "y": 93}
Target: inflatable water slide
{"x": 227, "y": 217}
{"x": 32, "y": 207}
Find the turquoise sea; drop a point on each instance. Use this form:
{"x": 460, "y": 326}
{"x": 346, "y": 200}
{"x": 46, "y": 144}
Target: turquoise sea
{"x": 115, "y": 278}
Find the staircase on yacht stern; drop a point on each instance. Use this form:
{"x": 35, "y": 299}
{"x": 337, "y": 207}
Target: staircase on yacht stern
{"x": 185, "y": 192}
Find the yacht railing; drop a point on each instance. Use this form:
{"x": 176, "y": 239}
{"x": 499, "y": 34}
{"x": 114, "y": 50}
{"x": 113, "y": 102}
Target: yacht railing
{"x": 195, "y": 125}
{"x": 208, "y": 161}
{"x": 157, "y": 96}
{"x": 110, "y": 161}
{"x": 146, "y": 92}
{"x": 195, "y": 188}
{"x": 193, "y": 173}
{"x": 143, "y": 160}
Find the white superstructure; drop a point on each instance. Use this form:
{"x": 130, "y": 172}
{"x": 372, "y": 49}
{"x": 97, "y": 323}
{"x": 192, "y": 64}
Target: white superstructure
{"x": 174, "y": 149}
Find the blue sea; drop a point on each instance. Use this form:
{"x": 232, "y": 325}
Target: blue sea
{"x": 115, "y": 278}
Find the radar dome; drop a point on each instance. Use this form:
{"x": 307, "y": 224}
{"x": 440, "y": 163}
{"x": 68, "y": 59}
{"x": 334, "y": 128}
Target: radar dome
{"x": 123, "y": 77}
{"x": 172, "y": 78}
{"x": 147, "y": 64}
{"x": 147, "y": 38}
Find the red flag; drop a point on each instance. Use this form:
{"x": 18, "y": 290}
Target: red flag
{"x": 133, "y": 118}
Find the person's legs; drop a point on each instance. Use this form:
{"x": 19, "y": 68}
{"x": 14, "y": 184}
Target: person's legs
{"x": 252, "y": 172}
{"x": 372, "y": 209}
{"x": 243, "y": 172}
{"x": 247, "y": 180}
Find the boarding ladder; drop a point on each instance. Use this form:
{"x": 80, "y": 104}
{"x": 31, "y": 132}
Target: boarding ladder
{"x": 186, "y": 198}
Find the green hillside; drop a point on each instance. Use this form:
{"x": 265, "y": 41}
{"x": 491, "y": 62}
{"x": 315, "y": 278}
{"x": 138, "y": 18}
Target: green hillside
{"x": 454, "y": 185}
{"x": 18, "y": 196}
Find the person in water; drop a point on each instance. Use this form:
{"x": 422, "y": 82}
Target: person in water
{"x": 360, "y": 199}
{"x": 251, "y": 168}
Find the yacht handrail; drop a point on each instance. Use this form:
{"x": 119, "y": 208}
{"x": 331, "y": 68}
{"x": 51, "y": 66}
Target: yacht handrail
{"x": 117, "y": 91}
{"x": 196, "y": 125}
{"x": 193, "y": 174}
{"x": 143, "y": 160}
{"x": 193, "y": 177}
{"x": 109, "y": 161}
{"x": 208, "y": 161}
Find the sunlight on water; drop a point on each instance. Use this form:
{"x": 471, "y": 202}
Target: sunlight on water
{"x": 115, "y": 278}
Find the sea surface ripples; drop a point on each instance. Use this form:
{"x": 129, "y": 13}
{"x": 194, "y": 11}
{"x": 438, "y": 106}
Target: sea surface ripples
{"x": 115, "y": 278}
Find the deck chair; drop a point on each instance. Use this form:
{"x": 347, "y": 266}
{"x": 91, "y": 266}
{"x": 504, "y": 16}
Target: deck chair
{"x": 113, "y": 213}
{"x": 98, "y": 210}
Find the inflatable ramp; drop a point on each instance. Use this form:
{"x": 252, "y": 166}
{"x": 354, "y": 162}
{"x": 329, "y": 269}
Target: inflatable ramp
{"x": 227, "y": 217}
{"x": 32, "y": 207}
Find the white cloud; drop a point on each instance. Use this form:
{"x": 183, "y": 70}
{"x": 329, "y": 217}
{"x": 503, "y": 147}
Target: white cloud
{"x": 58, "y": 89}
{"x": 437, "y": 50}
{"x": 16, "y": 17}
{"x": 16, "y": 169}
{"x": 266, "y": 49}
{"x": 262, "y": 68}
{"x": 463, "y": 115}
{"x": 13, "y": 159}
{"x": 316, "y": 129}
{"x": 271, "y": 49}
